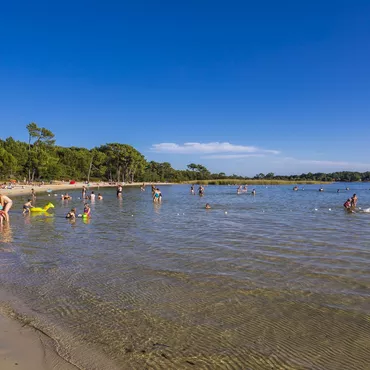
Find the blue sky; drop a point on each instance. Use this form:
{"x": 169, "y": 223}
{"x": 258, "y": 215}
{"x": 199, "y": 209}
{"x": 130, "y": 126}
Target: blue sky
{"x": 240, "y": 86}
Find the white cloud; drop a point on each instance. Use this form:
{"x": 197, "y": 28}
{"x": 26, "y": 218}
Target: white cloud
{"x": 231, "y": 156}
{"x": 207, "y": 148}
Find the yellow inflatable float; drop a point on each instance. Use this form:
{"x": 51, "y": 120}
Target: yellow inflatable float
{"x": 39, "y": 209}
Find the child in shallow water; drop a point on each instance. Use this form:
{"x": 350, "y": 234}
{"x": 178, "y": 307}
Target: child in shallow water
{"x": 27, "y": 206}
{"x": 87, "y": 210}
{"x": 71, "y": 214}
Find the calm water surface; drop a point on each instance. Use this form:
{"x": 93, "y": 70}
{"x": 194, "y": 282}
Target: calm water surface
{"x": 279, "y": 281}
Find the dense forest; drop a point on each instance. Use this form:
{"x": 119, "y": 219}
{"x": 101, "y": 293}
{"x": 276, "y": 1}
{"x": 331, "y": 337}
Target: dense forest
{"x": 40, "y": 159}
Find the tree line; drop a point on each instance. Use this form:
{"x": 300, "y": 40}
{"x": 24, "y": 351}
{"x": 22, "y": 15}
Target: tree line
{"x": 40, "y": 159}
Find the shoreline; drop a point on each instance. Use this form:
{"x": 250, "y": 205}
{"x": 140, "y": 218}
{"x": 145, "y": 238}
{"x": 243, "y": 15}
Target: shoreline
{"x": 22, "y": 346}
{"x": 26, "y": 189}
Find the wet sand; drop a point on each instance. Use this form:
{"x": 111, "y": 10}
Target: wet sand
{"x": 23, "y": 347}
{"x": 20, "y": 347}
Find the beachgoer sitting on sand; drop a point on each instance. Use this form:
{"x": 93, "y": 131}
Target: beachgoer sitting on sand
{"x": 27, "y": 206}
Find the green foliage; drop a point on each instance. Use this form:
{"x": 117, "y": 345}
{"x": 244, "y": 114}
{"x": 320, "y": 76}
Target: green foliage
{"x": 41, "y": 159}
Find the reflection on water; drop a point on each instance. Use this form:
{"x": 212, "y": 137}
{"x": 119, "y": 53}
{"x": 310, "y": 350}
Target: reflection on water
{"x": 6, "y": 235}
{"x": 278, "y": 280}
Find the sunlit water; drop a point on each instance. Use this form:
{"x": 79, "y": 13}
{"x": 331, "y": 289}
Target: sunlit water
{"x": 279, "y": 280}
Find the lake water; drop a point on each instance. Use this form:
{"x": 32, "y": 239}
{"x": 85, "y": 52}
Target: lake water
{"x": 280, "y": 281}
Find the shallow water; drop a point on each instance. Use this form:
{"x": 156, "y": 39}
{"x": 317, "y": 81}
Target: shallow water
{"x": 280, "y": 281}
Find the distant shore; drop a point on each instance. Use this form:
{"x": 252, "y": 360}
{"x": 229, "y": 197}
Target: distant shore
{"x": 254, "y": 182}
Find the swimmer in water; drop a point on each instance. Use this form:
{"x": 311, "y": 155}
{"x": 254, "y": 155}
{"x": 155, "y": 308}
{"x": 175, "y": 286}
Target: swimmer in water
{"x": 83, "y": 194}
{"x": 201, "y": 190}
{"x": 295, "y": 188}
{"x": 321, "y": 189}
{"x": 27, "y": 206}
{"x": 347, "y": 205}
{"x": 157, "y": 197}
{"x": 71, "y": 214}
{"x": 142, "y": 188}
{"x": 92, "y": 196}
{"x": 87, "y": 210}
{"x": 100, "y": 197}
{"x": 119, "y": 191}
{"x": 254, "y": 192}
{"x": 192, "y": 192}
{"x": 354, "y": 200}
{"x": 239, "y": 190}
{"x": 208, "y": 206}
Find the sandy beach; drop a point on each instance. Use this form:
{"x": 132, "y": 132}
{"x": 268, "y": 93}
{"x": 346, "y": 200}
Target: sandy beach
{"x": 22, "y": 347}
{"x": 26, "y": 189}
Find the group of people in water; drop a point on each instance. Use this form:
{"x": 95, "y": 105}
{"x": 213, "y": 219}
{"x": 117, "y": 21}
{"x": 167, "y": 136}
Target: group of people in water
{"x": 200, "y": 190}
{"x": 351, "y": 203}
{"x": 6, "y": 203}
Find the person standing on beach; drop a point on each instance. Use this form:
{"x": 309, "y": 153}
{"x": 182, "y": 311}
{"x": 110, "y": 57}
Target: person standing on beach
{"x": 6, "y": 203}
